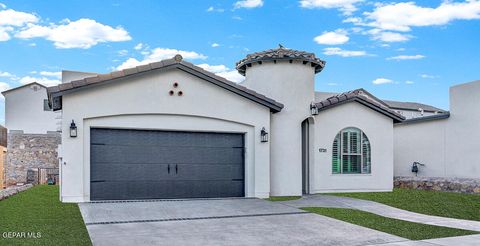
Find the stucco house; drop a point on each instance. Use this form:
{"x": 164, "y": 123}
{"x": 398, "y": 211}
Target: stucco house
{"x": 171, "y": 129}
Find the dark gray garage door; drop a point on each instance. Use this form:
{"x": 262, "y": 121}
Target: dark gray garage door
{"x": 138, "y": 164}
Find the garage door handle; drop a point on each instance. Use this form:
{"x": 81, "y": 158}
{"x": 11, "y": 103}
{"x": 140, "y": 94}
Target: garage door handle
{"x": 176, "y": 168}
{"x": 168, "y": 168}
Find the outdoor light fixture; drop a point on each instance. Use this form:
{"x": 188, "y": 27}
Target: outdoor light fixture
{"x": 313, "y": 109}
{"x": 264, "y": 135}
{"x": 73, "y": 129}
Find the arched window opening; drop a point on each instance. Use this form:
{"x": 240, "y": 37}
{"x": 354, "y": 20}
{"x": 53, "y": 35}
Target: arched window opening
{"x": 351, "y": 152}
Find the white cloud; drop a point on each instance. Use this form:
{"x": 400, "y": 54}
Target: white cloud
{"x": 346, "y": 6}
{"x": 223, "y": 71}
{"x": 51, "y": 74}
{"x": 42, "y": 80}
{"x": 406, "y": 57}
{"x": 215, "y": 45}
{"x": 403, "y": 16}
{"x": 83, "y": 33}
{"x": 381, "y": 81}
{"x": 428, "y": 76}
{"x": 344, "y": 53}
{"x": 214, "y": 68}
{"x": 337, "y": 37}
{"x": 4, "y": 35}
{"x": 139, "y": 46}
{"x": 122, "y": 52}
{"x": 10, "y": 17}
{"x": 232, "y": 75}
{"x": 6, "y": 74}
{"x": 213, "y": 9}
{"x": 249, "y": 4}
{"x": 159, "y": 54}
{"x": 3, "y": 6}
{"x": 409, "y": 82}
{"x": 3, "y": 87}
{"x": 378, "y": 34}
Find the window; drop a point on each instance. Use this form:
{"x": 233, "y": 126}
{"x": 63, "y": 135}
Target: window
{"x": 46, "y": 107}
{"x": 351, "y": 152}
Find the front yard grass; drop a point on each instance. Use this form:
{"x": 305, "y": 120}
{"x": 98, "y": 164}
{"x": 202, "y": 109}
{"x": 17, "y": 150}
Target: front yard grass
{"x": 283, "y": 198}
{"x": 405, "y": 229}
{"x": 444, "y": 204}
{"x": 38, "y": 210}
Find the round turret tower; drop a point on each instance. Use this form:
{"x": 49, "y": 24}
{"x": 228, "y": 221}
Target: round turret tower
{"x": 287, "y": 76}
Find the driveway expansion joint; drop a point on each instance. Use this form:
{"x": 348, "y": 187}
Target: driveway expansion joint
{"x": 195, "y": 218}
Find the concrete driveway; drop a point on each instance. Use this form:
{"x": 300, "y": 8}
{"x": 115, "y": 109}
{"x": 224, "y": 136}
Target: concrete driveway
{"x": 219, "y": 222}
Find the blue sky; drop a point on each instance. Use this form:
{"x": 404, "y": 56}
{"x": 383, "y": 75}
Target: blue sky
{"x": 408, "y": 51}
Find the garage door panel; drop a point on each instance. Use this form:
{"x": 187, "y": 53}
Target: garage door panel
{"x": 129, "y": 172}
{"x": 165, "y": 155}
{"x": 133, "y": 164}
{"x": 209, "y": 172}
{"x": 156, "y": 138}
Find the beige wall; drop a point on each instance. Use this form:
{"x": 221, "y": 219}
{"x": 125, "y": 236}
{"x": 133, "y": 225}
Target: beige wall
{"x": 379, "y": 130}
{"x": 143, "y": 102}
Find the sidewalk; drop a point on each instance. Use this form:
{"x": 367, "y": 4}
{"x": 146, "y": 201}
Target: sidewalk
{"x": 383, "y": 210}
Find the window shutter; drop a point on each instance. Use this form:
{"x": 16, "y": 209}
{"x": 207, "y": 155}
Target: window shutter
{"x": 336, "y": 155}
{"x": 366, "y": 156}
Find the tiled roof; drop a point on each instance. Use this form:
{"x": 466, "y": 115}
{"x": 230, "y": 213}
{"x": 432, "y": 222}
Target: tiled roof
{"x": 412, "y": 106}
{"x": 280, "y": 53}
{"x": 361, "y": 96}
{"x": 176, "y": 62}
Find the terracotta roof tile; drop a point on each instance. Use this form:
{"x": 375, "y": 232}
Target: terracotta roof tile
{"x": 361, "y": 96}
{"x": 280, "y": 53}
{"x": 58, "y": 91}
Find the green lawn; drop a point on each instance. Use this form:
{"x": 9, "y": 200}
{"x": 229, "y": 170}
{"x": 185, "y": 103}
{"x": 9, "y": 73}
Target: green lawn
{"x": 38, "y": 210}
{"x": 405, "y": 229}
{"x": 283, "y": 198}
{"x": 445, "y": 204}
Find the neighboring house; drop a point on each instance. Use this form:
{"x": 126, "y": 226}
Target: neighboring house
{"x": 32, "y": 133}
{"x": 413, "y": 110}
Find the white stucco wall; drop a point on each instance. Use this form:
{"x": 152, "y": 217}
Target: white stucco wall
{"x": 448, "y": 147}
{"x": 424, "y": 142}
{"x": 463, "y": 135}
{"x": 293, "y": 85}
{"x": 24, "y": 111}
{"x": 143, "y": 102}
{"x": 379, "y": 130}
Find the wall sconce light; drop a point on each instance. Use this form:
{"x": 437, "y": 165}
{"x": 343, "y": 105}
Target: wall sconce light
{"x": 73, "y": 130}
{"x": 313, "y": 109}
{"x": 264, "y": 135}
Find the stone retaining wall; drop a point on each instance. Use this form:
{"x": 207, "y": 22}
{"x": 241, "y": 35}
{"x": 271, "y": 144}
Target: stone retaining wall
{"x": 439, "y": 184}
{"x": 12, "y": 190}
{"x": 30, "y": 152}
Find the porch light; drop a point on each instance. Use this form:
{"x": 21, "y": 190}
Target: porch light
{"x": 313, "y": 109}
{"x": 73, "y": 129}
{"x": 264, "y": 135}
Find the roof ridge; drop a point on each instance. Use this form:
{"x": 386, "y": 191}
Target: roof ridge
{"x": 358, "y": 95}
